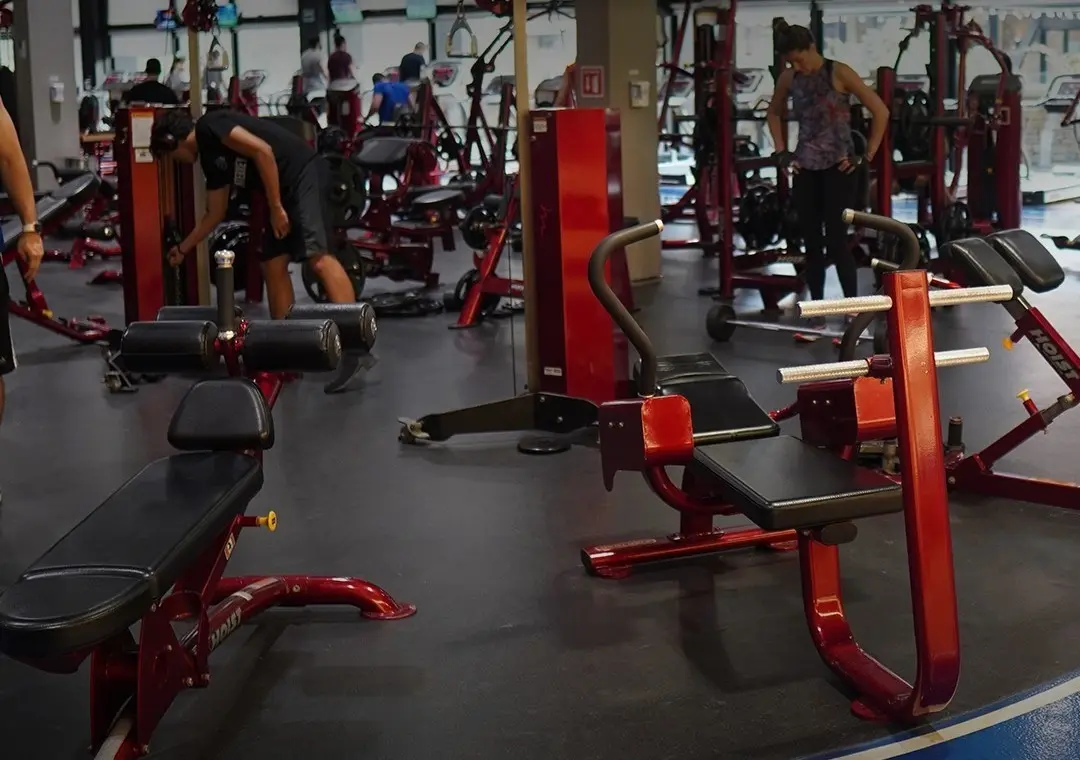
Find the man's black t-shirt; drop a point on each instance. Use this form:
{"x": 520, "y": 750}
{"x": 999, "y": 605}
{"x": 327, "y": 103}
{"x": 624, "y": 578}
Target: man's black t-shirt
{"x": 223, "y": 167}
{"x": 151, "y": 91}
{"x": 410, "y": 67}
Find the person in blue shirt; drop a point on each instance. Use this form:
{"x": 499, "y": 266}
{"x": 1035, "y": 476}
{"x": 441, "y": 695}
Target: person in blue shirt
{"x": 388, "y": 99}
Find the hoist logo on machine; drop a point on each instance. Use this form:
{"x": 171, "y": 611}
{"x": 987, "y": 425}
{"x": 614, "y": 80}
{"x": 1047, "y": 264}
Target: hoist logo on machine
{"x": 1051, "y": 351}
{"x": 222, "y": 632}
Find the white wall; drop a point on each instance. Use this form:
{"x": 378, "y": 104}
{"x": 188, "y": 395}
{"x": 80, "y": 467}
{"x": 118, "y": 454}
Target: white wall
{"x": 378, "y": 44}
{"x": 274, "y": 48}
{"x": 140, "y": 46}
{"x": 133, "y": 11}
{"x": 256, "y": 8}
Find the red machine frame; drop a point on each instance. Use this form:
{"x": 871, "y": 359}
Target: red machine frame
{"x": 974, "y": 472}
{"x": 897, "y": 396}
{"x": 575, "y": 203}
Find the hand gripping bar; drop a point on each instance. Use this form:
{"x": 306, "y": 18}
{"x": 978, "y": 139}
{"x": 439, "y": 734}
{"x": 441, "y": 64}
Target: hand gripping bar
{"x": 861, "y": 367}
{"x": 863, "y": 304}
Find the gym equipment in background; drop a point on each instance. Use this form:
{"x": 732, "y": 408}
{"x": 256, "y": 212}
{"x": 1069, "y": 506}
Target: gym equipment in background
{"x": 583, "y": 363}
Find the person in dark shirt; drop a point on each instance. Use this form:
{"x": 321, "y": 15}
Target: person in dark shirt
{"x": 340, "y": 63}
{"x": 386, "y": 99}
{"x": 150, "y": 90}
{"x": 238, "y": 149}
{"x": 412, "y": 64}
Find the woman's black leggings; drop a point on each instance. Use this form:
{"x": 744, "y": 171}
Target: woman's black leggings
{"x": 820, "y": 199}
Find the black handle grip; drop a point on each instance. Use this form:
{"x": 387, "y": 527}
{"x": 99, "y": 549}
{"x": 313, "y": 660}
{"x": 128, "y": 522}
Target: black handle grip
{"x": 611, "y": 303}
{"x": 225, "y": 279}
{"x": 912, "y": 254}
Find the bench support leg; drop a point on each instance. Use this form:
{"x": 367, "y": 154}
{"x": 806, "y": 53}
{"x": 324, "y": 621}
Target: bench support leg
{"x": 306, "y": 590}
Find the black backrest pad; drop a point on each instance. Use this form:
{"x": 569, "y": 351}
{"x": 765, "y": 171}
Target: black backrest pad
{"x": 173, "y": 346}
{"x": 355, "y": 321}
{"x": 383, "y": 152}
{"x": 229, "y": 414}
{"x": 292, "y": 345}
{"x": 1036, "y": 266}
{"x": 79, "y": 190}
{"x": 682, "y": 365}
{"x": 982, "y": 265}
{"x": 721, "y": 408}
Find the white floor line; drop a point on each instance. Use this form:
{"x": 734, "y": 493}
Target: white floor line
{"x": 957, "y": 730}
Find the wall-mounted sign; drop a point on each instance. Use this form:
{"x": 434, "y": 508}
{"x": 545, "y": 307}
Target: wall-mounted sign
{"x": 420, "y": 9}
{"x": 346, "y": 11}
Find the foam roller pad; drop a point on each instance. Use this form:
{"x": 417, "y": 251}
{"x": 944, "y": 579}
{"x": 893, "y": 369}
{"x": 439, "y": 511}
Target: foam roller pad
{"x": 169, "y": 347}
{"x": 355, "y": 321}
{"x": 291, "y": 345}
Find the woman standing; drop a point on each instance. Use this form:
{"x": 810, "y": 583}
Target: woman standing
{"x": 823, "y": 163}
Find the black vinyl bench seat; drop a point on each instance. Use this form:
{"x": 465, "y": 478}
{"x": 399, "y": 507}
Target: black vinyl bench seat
{"x": 720, "y": 405}
{"x": 67, "y": 197}
{"x": 782, "y": 483}
{"x": 103, "y": 576}
{"x": 381, "y": 154}
{"x": 1010, "y": 257}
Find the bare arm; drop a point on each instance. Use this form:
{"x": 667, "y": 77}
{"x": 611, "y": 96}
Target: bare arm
{"x": 217, "y": 207}
{"x": 777, "y": 106}
{"x": 879, "y": 112}
{"x": 376, "y": 102}
{"x": 15, "y": 173}
{"x": 566, "y": 89}
{"x": 261, "y": 154}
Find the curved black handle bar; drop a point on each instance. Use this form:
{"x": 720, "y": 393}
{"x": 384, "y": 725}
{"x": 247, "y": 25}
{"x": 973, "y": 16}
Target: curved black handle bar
{"x": 909, "y": 245}
{"x": 613, "y": 306}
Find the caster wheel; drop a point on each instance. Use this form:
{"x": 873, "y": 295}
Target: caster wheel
{"x": 113, "y": 382}
{"x": 451, "y": 302}
{"x": 718, "y": 323}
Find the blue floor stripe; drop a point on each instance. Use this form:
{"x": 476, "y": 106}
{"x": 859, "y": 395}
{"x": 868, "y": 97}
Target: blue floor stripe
{"x": 1047, "y": 731}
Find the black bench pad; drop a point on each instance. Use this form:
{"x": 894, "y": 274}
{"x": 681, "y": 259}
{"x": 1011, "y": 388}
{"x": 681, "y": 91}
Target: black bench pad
{"x": 438, "y": 198}
{"x": 682, "y": 365}
{"x": 982, "y": 265}
{"x": 1037, "y": 267}
{"x": 384, "y": 153}
{"x": 783, "y": 483}
{"x": 721, "y": 408}
{"x": 104, "y": 575}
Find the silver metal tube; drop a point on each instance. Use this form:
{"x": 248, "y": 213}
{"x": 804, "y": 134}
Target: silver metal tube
{"x": 861, "y": 367}
{"x": 832, "y": 306}
{"x": 971, "y": 295}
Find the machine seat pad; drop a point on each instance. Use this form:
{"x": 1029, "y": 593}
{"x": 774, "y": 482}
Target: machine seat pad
{"x": 721, "y": 409}
{"x": 1037, "y": 267}
{"x": 783, "y": 483}
{"x": 493, "y": 202}
{"x": 683, "y": 365}
{"x": 982, "y": 265}
{"x": 384, "y": 153}
{"x": 437, "y": 198}
{"x": 104, "y": 575}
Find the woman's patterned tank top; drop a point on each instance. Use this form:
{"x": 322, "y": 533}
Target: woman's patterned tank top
{"x": 824, "y": 118}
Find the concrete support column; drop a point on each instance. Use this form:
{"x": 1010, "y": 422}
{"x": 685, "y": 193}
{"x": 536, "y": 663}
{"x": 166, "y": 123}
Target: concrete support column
{"x": 617, "y": 38}
{"x": 45, "y": 73}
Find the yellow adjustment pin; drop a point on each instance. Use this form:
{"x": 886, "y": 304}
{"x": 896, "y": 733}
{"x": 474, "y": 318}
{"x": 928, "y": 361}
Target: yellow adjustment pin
{"x": 1024, "y": 395}
{"x": 1008, "y": 344}
{"x": 269, "y": 522}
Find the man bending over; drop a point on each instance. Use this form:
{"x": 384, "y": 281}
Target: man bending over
{"x": 235, "y": 149}
{"x": 16, "y": 177}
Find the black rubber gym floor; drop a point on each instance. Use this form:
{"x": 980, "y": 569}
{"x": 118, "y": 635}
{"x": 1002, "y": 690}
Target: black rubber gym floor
{"x": 515, "y": 652}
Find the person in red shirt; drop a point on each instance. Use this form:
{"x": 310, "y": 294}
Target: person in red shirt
{"x": 340, "y": 64}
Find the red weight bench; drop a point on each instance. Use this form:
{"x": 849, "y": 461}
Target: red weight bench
{"x": 52, "y": 212}
{"x": 156, "y": 550}
{"x": 1016, "y": 258}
